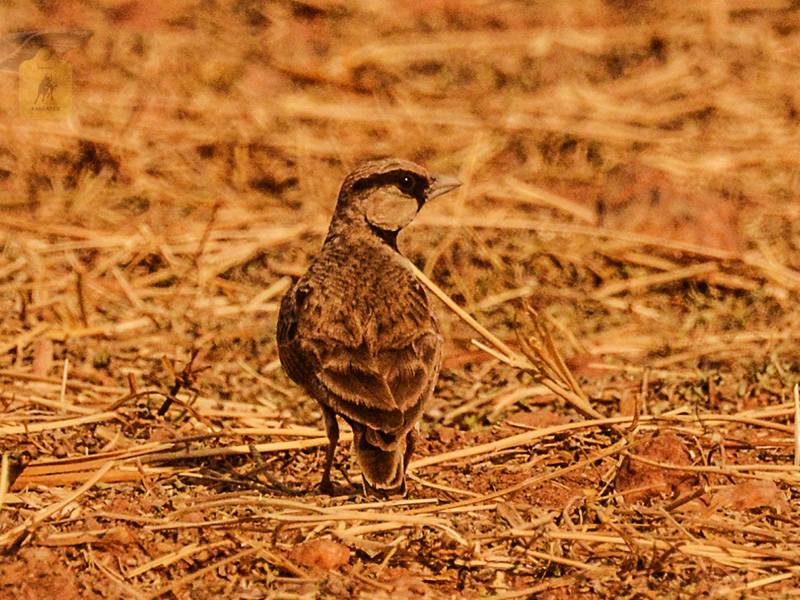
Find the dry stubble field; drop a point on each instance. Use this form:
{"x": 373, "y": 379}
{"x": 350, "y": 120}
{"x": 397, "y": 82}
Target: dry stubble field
{"x": 630, "y": 170}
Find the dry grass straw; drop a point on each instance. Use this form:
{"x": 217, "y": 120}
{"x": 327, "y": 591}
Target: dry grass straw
{"x": 161, "y": 225}
{"x": 541, "y": 356}
{"x": 796, "y": 426}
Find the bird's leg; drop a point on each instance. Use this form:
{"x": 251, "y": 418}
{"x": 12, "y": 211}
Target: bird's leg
{"x": 411, "y": 444}
{"x": 332, "y": 429}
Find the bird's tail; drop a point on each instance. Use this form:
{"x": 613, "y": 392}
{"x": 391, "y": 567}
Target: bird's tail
{"x": 381, "y": 457}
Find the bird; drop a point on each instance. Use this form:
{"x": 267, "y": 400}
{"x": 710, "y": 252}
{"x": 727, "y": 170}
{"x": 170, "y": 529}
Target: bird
{"x": 357, "y": 331}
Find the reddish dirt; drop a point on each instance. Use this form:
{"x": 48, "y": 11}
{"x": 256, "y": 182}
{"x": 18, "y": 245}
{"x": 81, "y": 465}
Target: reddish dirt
{"x": 36, "y": 573}
{"x": 638, "y": 481}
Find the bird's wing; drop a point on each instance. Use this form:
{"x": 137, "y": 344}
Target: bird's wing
{"x": 375, "y": 367}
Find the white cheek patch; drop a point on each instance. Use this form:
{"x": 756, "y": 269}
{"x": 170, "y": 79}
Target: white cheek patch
{"x": 391, "y": 210}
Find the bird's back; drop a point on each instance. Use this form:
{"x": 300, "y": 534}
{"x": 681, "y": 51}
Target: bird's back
{"x": 357, "y": 331}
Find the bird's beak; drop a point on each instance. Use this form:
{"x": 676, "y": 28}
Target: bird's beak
{"x": 441, "y": 185}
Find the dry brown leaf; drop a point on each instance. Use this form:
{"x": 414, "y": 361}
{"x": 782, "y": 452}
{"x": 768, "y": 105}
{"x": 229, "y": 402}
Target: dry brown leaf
{"x": 750, "y": 495}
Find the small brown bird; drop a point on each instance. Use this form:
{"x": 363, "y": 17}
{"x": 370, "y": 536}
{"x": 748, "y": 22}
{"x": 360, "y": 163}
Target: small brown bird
{"x": 357, "y": 331}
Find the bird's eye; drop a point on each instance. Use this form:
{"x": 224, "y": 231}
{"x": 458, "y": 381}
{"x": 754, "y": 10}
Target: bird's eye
{"x": 406, "y": 183}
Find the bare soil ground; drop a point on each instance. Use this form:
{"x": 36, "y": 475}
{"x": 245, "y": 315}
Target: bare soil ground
{"x": 631, "y": 171}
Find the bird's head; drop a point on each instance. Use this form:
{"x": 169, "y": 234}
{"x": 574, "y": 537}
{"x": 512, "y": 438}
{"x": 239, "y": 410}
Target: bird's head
{"x": 385, "y": 195}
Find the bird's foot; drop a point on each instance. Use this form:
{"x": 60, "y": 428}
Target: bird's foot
{"x": 332, "y": 489}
